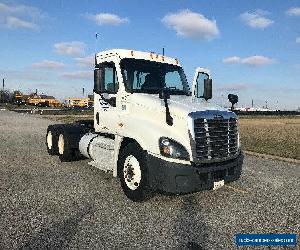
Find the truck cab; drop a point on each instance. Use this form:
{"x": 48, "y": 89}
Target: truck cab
{"x": 154, "y": 132}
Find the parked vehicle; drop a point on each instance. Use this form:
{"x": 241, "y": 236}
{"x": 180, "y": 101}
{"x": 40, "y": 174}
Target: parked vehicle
{"x": 151, "y": 130}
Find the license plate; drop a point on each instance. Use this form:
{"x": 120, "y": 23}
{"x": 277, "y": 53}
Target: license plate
{"x": 218, "y": 184}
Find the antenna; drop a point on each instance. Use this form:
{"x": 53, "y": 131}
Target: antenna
{"x": 97, "y": 35}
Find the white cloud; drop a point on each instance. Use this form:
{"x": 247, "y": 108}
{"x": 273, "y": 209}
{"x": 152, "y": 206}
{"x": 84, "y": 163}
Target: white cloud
{"x": 257, "y": 61}
{"x": 249, "y": 61}
{"x": 232, "y": 60}
{"x": 73, "y": 48}
{"x": 14, "y": 23}
{"x": 295, "y": 11}
{"x": 9, "y": 9}
{"x": 78, "y": 75}
{"x": 20, "y": 16}
{"x": 298, "y": 39}
{"x": 88, "y": 61}
{"x": 107, "y": 19}
{"x": 49, "y": 65}
{"x": 191, "y": 24}
{"x": 256, "y": 19}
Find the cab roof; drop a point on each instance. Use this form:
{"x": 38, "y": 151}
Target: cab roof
{"x": 126, "y": 53}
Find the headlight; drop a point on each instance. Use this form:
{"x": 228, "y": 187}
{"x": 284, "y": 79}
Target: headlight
{"x": 172, "y": 149}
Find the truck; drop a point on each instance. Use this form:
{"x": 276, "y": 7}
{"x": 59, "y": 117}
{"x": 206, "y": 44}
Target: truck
{"x": 151, "y": 130}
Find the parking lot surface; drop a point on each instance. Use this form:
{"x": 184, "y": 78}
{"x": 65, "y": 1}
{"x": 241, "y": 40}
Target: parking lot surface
{"x": 48, "y": 204}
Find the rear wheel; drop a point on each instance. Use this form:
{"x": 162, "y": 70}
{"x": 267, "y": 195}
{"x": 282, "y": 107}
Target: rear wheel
{"x": 65, "y": 149}
{"x": 51, "y": 141}
{"x": 133, "y": 173}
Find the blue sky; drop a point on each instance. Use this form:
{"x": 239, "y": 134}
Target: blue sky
{"x": 251, "y": 47}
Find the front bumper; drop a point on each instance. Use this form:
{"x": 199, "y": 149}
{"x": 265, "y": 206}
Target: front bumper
{"x": 179, "y": 178}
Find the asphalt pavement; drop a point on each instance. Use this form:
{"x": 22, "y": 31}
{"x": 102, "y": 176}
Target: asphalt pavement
{"x": 46, "y": 204}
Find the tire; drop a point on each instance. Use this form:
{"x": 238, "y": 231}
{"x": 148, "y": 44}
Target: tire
{"x": 65, "y": 150}
{"x": 51, "y": 140}
{"x": 133, "y": 173}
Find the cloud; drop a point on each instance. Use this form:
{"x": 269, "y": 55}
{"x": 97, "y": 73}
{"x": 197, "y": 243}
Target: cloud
{"x": 257, "y": 61}
{"x": 234, "y": 87}
{"x": 232, "y": 60}
{"x": 107, "y": 19}
{"x": 88, "y": 61}
{"x": 298, "y": 39}
{"x": 14, "y": 23}
{"x": 191, "y": 25}
{"x": 253, "y": 61}
{"x": 20, "y": 16}
{"x": 48, "y": 65}
{"x": 256, "y": 19}
{"x": 78, "y": 75}
{"x": 295, "y": 11}
{"x": 73, "y": 48}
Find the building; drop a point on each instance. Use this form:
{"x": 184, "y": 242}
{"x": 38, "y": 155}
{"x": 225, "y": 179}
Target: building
{"x": 42, "y": 100}
{"x": 77, "y": 102}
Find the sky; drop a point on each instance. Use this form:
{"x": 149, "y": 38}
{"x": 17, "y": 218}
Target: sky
{"x": 251, "y": 47}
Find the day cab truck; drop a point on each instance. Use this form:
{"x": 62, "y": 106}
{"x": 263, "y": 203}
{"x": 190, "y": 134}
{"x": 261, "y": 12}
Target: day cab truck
{"x": 150, "y": 130}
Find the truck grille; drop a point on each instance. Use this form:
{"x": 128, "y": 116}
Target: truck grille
{"x": 216, "y": 139}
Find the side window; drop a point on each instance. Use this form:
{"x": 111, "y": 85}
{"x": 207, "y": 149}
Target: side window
{"x": 106, "y": 80}
{"x": 173, "y": 80}
{"x": 111, "y": 84}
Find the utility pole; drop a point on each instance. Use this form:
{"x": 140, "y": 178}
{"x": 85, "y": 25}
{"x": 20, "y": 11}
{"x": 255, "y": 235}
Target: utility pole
{"x": 252, "y": 103}
{"x": 3, "y": 80}
{"x": 83, "y": 92}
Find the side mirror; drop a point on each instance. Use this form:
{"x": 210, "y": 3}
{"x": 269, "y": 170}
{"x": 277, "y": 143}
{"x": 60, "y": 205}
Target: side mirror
{"x": 97, "y": 80}
{"x": 164, "y": 94}
{"x": 233, "y": 99}
{"x": 207, "y": 94}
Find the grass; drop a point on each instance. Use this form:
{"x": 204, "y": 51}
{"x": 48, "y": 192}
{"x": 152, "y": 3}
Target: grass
{"x": 273, "y": 135}
{"x": 68, "y": 118}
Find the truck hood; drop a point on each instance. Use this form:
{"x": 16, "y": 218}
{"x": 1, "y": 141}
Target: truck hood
{"x": 179, "y": 105}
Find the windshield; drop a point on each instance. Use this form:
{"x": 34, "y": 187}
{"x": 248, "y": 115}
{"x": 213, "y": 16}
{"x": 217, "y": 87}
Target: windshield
{"x": 142, "y": 76}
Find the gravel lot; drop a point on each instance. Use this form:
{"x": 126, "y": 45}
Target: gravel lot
{"x": 48, "y": 204}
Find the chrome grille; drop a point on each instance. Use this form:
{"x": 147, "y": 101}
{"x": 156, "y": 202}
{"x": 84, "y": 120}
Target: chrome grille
{"x": 215, "y": 138}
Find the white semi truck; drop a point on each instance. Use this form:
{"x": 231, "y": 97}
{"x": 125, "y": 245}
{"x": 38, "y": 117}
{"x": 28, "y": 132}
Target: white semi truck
{"x": 150, "y": 130}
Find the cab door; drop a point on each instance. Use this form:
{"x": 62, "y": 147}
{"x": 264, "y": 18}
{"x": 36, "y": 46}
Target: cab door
{"x": 105, "y": 97}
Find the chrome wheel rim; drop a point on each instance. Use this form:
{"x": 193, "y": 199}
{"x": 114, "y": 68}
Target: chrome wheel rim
{"x": 132, "y": 172}
{"x": 49, "y": 140}
{"x": 61, "y": 144}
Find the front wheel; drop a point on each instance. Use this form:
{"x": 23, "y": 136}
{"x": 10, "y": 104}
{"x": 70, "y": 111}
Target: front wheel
{"x": 132, "y": 168}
